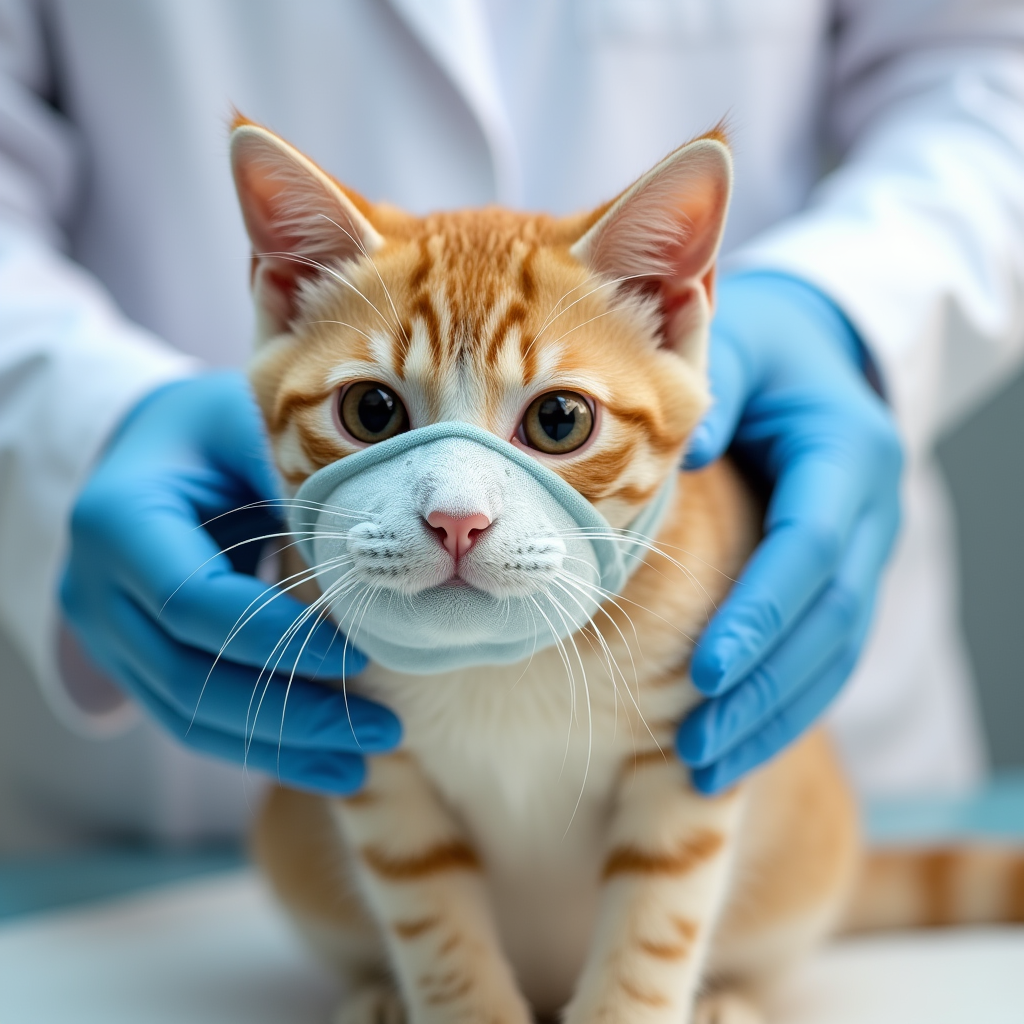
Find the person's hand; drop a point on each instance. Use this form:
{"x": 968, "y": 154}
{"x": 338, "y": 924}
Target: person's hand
{"x": 161, "y": 608}
{"x": 792, "y": 401}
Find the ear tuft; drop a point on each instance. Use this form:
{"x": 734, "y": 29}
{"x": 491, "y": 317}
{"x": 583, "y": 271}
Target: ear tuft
{"x": 669, "y": 223}
{"x": 298, "y": 218}
{"x": 661, "y": 236}
{"x": 238, "y": 119}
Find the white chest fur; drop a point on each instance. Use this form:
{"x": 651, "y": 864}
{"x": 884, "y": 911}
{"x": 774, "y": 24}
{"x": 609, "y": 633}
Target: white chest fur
{"x": 529, "y": 758}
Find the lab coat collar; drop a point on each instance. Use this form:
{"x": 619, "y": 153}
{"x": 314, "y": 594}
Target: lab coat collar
{"x": 456, "y": 35}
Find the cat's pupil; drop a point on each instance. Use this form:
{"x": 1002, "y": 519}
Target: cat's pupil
{"x": 557, "y": 416}
{"x": 376, "y": 408}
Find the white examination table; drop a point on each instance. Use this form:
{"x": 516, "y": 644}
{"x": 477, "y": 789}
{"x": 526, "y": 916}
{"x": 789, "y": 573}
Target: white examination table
{"x": 217, "y": 951}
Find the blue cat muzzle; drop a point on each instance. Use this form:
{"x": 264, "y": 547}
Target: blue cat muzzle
{"x": 444, "y": 628}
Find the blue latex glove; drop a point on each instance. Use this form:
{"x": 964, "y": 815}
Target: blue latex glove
{"x": 792, "y": 402}
{"x": 152, "y": 596}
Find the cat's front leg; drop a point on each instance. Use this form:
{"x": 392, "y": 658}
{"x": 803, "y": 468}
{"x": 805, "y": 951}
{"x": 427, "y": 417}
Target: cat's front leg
{"x": 423, "y": 883}
{"x": 665, "y": 873}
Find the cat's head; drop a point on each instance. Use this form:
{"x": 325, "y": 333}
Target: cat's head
{"x": 581, "y": 341}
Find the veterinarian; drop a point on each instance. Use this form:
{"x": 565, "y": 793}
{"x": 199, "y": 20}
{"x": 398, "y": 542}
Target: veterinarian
{"x": 875, "y": 253}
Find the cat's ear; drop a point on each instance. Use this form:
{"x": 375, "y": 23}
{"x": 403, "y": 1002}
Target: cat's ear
{"x": 300, "y": 221}
{"x": 661, "y": 238}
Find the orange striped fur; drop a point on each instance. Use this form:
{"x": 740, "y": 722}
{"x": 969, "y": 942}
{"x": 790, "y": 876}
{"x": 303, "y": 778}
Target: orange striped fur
{"x": 455, "y": 856}
{"x": 534, "y": 848}
{"x": 472, "y": 313}
{"x": 934, "y": 888}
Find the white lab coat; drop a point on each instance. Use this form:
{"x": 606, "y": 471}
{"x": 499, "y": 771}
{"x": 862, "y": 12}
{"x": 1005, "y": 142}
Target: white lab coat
{"x": 123, "y": 262}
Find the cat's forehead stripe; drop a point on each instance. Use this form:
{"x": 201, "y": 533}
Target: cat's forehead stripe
{"x": 470, "y": 320}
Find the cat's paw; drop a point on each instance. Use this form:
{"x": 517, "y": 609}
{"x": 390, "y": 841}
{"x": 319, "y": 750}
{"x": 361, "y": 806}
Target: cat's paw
{"x": 726, "y": 1008}
{"x": 374, "y": 1004}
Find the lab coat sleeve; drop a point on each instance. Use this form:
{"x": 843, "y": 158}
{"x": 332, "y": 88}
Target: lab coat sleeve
{"x": 918, "y": 233}
{"x": 71, "y": 365}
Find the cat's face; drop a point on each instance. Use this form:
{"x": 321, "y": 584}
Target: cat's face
{"x": 580, "y": 341}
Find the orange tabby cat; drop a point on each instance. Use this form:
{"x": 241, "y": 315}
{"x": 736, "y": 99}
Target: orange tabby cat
{"x": 535, "y": 846}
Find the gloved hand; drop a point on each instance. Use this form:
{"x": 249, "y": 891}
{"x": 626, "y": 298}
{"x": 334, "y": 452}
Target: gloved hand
{"x": 793, "y": 402}
{"x": 152, "y": 596}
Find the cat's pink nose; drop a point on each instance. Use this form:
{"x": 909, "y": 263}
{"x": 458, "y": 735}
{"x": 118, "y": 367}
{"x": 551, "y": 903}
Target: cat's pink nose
{"x": 458, "y": 533}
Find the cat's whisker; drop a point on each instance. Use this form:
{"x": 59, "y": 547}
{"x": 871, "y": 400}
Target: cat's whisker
{"x": 590, "y": 713}
{"x": 293, "y": 581}
{"x": 635, "y": 700}
{"x": 581, "y": 584}
{"x": 561, "y": 298}
{"x": 609, "y": 597}
{"x": 570, "y": 678}
{"x": 570, "y": 633}
{"x": 526, "y": 667}
{"x": 565, "y": 578}
{"x": 589, "y": 320}
{"x": 653, "y": 547}
{"x": 288, "y": 686}
{"x": 362, "y": 249}
{"x": 342, "y": 323}
{"x": 553, "y": 313}
{"x": 568, "y": 629}
{"x": 591, "y": 633}
{"x": 284, "y": 502}
{"x": 606, "y": 283}
{"x": 641, "y": 558}
{"x": 282, "y": 645}
{"x": 372, "y": 591}
{"x": 338, "y": 276}
{"x": 298, "y": 622}
{"x": 321, "y": 615}
{"x": 625, "y": 533}
{"x": 367, "y": 598}
{"x": 321, "y": 607}
{"x": 610, "y": 659}
{"x": 275, "y": 592}
{"x": 344, "y": 674}
{"x": 308, "y": 261}
{"x": 283, "y": 642}
{"x": 648, "y": 546}
{"x": 300, "y": 534}
{"x": 571, "y": 675}
{"x": 330, "y": 596}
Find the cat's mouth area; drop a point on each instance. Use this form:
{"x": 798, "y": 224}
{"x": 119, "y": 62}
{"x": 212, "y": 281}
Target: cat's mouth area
{"x": 401, "y": 589}
{"x": 406, "y": 557}
{"x": 522, "y": 569}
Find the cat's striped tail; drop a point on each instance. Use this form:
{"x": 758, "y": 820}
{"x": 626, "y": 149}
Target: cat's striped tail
{"x": 932, "y": 887}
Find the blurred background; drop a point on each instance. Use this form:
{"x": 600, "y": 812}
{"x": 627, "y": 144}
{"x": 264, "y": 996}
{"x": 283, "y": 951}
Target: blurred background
{"x": 983, "y": 460}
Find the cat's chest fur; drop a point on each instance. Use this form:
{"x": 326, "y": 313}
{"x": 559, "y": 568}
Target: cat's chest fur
{"x": 542, "y": 741}
{"x": 529, "y": 758}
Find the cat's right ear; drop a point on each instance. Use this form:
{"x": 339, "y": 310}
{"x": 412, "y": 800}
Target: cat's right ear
{"x": 300, "y": 221}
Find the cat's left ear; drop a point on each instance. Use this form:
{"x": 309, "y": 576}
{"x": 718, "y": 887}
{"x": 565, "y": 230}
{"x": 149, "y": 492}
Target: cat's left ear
{"x": 300, "y": 220}
{"x": 661, "y": 238}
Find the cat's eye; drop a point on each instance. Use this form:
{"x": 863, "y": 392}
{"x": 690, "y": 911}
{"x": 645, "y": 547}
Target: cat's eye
{"x": 557, "y": 422}
{"x": 371, "y": 411}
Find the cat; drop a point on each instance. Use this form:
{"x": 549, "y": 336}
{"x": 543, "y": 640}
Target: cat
{"x": 534, "y": 847}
